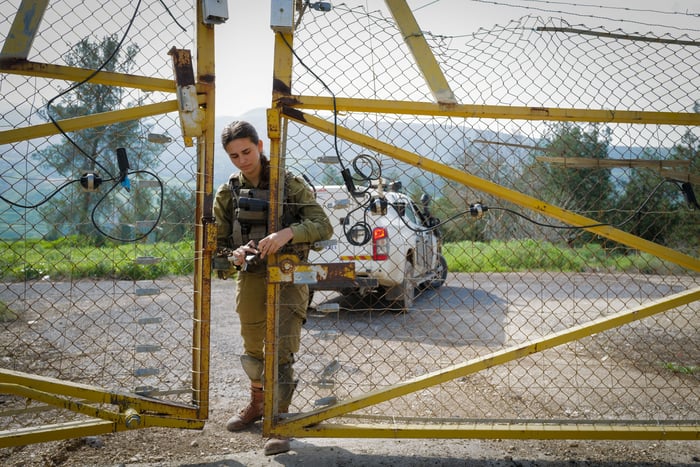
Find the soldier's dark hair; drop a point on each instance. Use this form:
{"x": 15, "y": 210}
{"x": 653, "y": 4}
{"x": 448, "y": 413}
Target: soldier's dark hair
{"x": 239, "y": 129}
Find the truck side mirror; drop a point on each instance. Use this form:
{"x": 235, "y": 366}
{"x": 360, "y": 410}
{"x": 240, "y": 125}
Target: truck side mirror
{"x": 425, "y": 200}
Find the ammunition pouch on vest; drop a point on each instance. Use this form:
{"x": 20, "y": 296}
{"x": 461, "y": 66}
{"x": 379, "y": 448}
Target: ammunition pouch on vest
{"x": 250, "y": 213}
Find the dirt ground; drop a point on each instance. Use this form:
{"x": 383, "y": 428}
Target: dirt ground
{"x": 214, "y": 446}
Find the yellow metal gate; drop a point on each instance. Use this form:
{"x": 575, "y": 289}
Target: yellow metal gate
{"x": 553, "y": 156}
{"x": 104, "y": 217}
{"x": 560, "y": 160}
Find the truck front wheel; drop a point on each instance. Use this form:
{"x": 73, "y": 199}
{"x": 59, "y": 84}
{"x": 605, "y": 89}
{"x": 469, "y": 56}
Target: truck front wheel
{"x": 440, "y": 273}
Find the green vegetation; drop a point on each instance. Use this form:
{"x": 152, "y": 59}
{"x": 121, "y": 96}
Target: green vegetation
{"x": 46, "y": 178}
{"x": 6, "y": 314}
{"x": 683, "y": 369}
{"x": 531, "y": 255}
{"x": 71, "y": 258}
{"x": 568, "y": 170}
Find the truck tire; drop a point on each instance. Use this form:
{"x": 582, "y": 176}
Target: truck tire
{"x": 440, "y": 273}
{"x": 408, "y": 292}
{"x": 400, "y": 297}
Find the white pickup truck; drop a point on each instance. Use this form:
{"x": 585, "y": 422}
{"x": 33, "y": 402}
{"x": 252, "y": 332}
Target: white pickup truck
{"x": 394, "y": 243}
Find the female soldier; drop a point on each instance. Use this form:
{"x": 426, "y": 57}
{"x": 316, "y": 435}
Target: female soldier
{"x": 242, "y": 226}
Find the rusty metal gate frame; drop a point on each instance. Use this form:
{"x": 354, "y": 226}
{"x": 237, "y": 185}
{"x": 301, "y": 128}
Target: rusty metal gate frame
{"x": 140, "y": 412}
{"x": 286, "y": 106}
{"x": 195, "y": 104}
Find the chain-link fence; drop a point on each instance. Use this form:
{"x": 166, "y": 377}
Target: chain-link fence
{"x": 514, "y": 275}
{"x": 96, "y": 224}
{"x": 97, "y": 283}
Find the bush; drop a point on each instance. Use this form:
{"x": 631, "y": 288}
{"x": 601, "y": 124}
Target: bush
{"x": 6, "y": 314}
{"x": 69, "y": 258}
{"x": 532, "y": 255}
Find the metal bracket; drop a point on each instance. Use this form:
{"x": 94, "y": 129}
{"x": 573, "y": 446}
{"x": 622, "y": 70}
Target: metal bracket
{"x": 191, "y": 116}
{"x": 289, "y": 269}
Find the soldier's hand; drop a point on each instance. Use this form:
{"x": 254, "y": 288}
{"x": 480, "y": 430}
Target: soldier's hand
{"x": 273, "y": 242}
{"x": 238, "y": 256}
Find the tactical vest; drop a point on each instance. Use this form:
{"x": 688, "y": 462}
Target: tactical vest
{"x": 250, "y": 212}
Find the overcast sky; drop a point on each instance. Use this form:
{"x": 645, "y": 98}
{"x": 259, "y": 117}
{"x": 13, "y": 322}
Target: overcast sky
{"x": 244, "y": 53}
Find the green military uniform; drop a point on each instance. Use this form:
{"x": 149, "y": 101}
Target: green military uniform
{"x": 309, "y": 224}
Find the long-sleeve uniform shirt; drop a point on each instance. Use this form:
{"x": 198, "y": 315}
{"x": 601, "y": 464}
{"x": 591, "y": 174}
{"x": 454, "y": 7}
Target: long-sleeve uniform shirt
{"x": 310, "y": 225}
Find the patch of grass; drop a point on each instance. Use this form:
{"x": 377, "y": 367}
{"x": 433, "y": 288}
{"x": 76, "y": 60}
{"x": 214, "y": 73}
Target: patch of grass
{"x": 6, "y": 313}
{"x": 532, "y": 255}
{"x": 680, "y": 368}
{"x": 67, "y": 259}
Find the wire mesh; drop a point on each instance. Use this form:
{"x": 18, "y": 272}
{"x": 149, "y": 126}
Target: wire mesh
{"x": 510, "y": 280}
{"x": 95, "y": 285}
{"x": 514, "y": 276}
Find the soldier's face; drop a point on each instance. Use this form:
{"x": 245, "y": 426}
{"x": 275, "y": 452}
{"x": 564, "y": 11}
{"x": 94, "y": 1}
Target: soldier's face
{"x": 245, "y": 155}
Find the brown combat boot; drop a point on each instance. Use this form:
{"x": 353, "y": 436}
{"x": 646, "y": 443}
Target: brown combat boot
{"x": 251, "y": 413}
{"x": 286, "y": 386}
{"x": 276, "y": 446}
{"x": 279, "y": 445}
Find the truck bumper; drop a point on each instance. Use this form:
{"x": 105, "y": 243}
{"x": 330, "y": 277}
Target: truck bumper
{"x": 342, "y": 283}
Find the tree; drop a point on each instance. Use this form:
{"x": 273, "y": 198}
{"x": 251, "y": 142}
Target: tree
{"x": 93, "y": 150}
{"x": 647, "y": 204}
{"x": 452, "y": 210}
{"x": 576, "y": 189}
{"x": 176, "y": 221}
{"x": 657, "y": 209}
{"x": 331, "y": 176}
{"x": 452, "y": 206}
{"x": 588, "y": 191}
{"x": 687, "y": 235}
